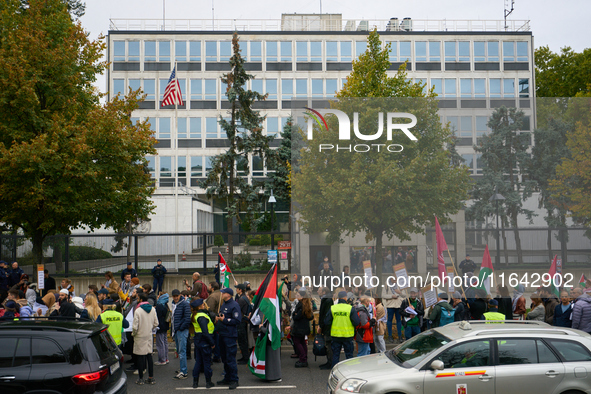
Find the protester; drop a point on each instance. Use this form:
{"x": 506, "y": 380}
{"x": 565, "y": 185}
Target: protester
{"x": 158, "y": 273}
{"x": 537, "y": 312}
{"x": 39, "y": 307}
{"x": 24, "y": 309}
{"x": 125, "y": 289}
{"x": 229, "y": 317}
{"x": 504, "y": 300}
{"x": 187, "y": 295}
{"x": 518, "y": 302}
{"x": 49, "y": 301}
{"x": 49, "y": 283}
{"x": 214, "y": 302}
{"x": 64, "y": 308}
{"x": 114, "y": 320}
{"x": 92, "y": 307}
{"x": 11, "y": 311}
{"x": 563, "y": 311}
{"x": 181, "y": 319}
{"x": 393, "y": 301}
{"x": 478, "y": 305}
{"x": 152, "y": 297}
{"x": 581, "y": 315}
{"x": 110, "y": 283}
{"x": 326, "y": 303}
{"x": 550, "y": 302}
{"x": 364, "y": 330}
{"x": 244, "y": 304}
{"x": 163, "y": 313}
{"x": 342, "y": 321}
{"x": 301, "y": 327}
{"x": 412, "y": 326}
{"x": 437, "y": 310}
{"x": 144, "y": 322}
{"x": 31, "y": 293}
{"x": 380, "y": 328}
{"x": 67, "y": 284}
{"x": 102, "y": 295}
{"x": 203, "y": 342}
{"x": 462, "y": 312}
{"x": 493, "y": 314}
{"x": 199, "y": 289}
{"x": 129, "y": 270}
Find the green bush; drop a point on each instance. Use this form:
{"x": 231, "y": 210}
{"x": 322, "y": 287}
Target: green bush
{"x": 218, "y": 241}
{"x": 263, "y": 239}
{"x": 82, "y": 253}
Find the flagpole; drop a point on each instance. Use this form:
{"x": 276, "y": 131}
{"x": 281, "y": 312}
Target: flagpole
{"x": 176, "y": 177}
{"x": 456, "y": 272}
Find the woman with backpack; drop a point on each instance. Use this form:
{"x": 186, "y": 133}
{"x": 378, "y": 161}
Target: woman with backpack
{"x": 301, "y": 327}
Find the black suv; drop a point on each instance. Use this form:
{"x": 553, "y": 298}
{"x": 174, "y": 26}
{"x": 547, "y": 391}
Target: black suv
{"x": 59, "y": 356}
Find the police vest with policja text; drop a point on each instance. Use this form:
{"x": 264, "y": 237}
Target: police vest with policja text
{"x": 114, "y": 320}
{"x": 341, "y": 321}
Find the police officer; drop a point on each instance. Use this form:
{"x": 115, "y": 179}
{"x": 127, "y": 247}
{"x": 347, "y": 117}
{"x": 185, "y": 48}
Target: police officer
{"x": 113, "y": 319}
{"x": 493, "y": 312}
{"x": 203, "y": 342}
{"x": 342, "y": 320}
{"x": 4, "y": 277}
{"x": 230, "y": 317}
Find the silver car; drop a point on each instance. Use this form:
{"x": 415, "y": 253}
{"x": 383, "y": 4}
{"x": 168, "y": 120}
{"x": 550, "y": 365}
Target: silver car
{"x": 475, "y": 358}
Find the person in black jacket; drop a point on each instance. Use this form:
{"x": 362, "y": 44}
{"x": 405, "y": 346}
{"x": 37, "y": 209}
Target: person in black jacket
{"x": 229, "y": 317}
{"x": 181, "y": 321}
{"x": 152, "y": 296}
{"x": 65, "y": 308}
{"x": 301, "y": 327}
{"x": 563, "y": 311}
{"x": 478, "y": 305}
{"x": 325, "y": 303}
{"x": 128, "y": 270}
{"x": 158, "y": 273}
{"x": 49, "y": 283}
{"x": 162, "y": 311}
{"x": 505, "y": 304}
{"x": 244, "y": 304}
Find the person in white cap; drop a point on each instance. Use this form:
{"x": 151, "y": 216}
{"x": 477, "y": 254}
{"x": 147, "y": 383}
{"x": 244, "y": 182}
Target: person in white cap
{"x": 64, "y": 308}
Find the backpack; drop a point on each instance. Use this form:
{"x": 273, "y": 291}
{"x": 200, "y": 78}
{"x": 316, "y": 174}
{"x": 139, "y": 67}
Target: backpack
{"x": 319, "y": 347}
{"x": 446, "y": 317}
{"x": 203, "y": 294}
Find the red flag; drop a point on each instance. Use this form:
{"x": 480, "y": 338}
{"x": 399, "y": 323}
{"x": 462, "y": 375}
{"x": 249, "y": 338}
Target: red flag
{"x": 172, "y": 93}
{"x": 552, "y": 273}
{"x": 441, "y": 247}
{"x": 221, "y": 261}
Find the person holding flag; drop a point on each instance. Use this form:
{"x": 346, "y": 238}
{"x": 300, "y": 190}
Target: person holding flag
{"x": 265, "y": 360}
{"x": 486, "y": 270}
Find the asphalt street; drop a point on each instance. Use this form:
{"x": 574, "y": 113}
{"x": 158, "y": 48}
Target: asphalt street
{"x": 294, "y": 380}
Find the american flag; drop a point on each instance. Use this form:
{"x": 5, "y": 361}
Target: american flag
{"x": 172, "y": 93}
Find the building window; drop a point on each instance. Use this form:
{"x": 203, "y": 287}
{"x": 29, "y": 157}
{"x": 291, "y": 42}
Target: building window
{"x": 180, "y": 51}
{"x": 183, "y": 85}
{"x": 162, "y": 83}
{"x": 149, "y": 51}
{"x": 423, "y": 82}
{"x": 257, "y": 166}
{"x": 118, "y": 87}
{"x": 194, "y": 127}
{"x": 332, "y": 54}
{"x": 437, "y": 87}
{"x": 346, "y": 51}
{"x": 393, "y": 54}
{"x": 182, "y": 167}
{"x": 210, "y": 89}
{"x": 466, "y": 127}
{"x": 195, "y": 51}
{"x": 165, "y": 166}
{"x": 360, "y": 48}
{"x": 225, "y": 51}
{"x": 464, "y": 51}
{"x": 272, "y": 126}
{"x": 457, "y": 51}
{"x": 453, "y": 124}
{"x": 331, "y": 87}
{"x": 164, "y": 51}
{"x": 523, "y": 87}
{"x": 486, "y": 51}
{"x": 494, "y": 87}
{"x": 211, "y": 51}
{"x": 316, "y": 51}
{"x": 208, "y": 164}
{"x": 271, "y": 47}
{"x": 256, "y": 85}
{"x": 286, "y": 89}
{"x": 469, "y": 161}
{"x": 465, "y": 87}
{"x": 182, "y": 128}
{"x": 164, "y": 128}
{"x": 302, "y": 51}
{"x": 493, "y": 51}
{"x": 196, "y": 166}
{"x": 301, "y": 88}
{"x": 196, "y": 89}
{"x": 478, "y": 163}
{"x": 479, "y": 87}
{"x": 211, "y": 128}
{"x": 134, "y": 84}
{"x": 522, "y": 54}
{"x": 481, "y": 127}
{"x": 450, "y": 51}
{"x": 508, "y": 51}
{"x": 255, "y": 51}
{"x": 404, "y": 51}
{"x": 317, "y": 88}
{"x": 285, "y": 51}
{"x": 509, "y": 87}
{"x": 119, "y": 51}
{"x": 151, "y": 166}
{"x": 271, "y": 89}
{"x": 421, "y": 51}
{"x": 434, "y": 51}
{"x": 450, "y": 87}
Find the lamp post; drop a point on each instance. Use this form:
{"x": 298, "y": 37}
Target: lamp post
{"x": 272, "y": 200}
{"x": 496, "y": 197}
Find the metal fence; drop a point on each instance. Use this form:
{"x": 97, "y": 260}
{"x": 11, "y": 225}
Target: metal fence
{"x": 91, "y": 254}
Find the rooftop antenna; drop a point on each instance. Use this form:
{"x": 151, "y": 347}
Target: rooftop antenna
{"x": 507, "y": 11}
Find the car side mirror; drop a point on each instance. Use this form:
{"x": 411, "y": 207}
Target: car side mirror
{"x": 437, "y": 365}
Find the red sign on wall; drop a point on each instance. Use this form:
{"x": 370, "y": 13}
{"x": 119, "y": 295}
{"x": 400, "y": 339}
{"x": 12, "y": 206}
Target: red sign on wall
{"x": 284, "y": 245}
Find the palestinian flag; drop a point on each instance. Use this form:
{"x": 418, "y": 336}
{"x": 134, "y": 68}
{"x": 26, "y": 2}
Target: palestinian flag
{"x": 583, "y": 281}
{"x": 486, "y": 270}
{"x": 225, "y": 271}
{"x": 266, "y": 303}
{"x": 552, "y": 272}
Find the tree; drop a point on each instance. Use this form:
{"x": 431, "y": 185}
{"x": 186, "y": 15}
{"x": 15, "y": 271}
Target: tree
{"x": 573, "y": 176}
{"x": 379, "y": 193}
{"x": 504, "y": 157}
{"x": 75, "y": 7}
{"x": 244, "y": 132}
{"x": 564, "y": 74}
{"x": 66, "y": 161}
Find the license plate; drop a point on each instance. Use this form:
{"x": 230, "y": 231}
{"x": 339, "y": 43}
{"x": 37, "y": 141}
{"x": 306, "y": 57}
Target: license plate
{"x": 114, "y": 367}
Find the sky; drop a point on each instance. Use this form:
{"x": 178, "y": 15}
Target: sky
{"x": 553, "y": 23}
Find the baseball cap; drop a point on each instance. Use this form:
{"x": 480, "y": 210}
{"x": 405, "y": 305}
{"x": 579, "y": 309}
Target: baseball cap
{"x": 175, "y": 292}
{"x": 129, "y": 263}
{"x": 103, "y": 291}
{"x": 493, "y": 302}
{"x": 197, "y": 303}
{"x": 227, "y": 290}
{"x": 108, "y": 301}
{"x": 241, "y": 286}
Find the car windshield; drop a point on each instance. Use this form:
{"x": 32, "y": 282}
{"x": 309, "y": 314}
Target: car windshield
{"x": 411, "y": 352}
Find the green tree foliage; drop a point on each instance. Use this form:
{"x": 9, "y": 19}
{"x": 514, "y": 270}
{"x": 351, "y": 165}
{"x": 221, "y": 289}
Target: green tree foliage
{"x": 66, "y": 161}
{"x": 504, "y": 157}
{"x": 562, "y": 75}
{"x": 244, "y": 133}
{"x": 379, "y": 194}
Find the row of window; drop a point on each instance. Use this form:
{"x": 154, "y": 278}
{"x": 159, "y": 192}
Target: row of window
{"x": 199, "y": 166}
{"x": 317, "y": 51}
{"x": 475, "y": 126}
{"x": 285, "y": 89}
{"x": 208, "y": 127}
